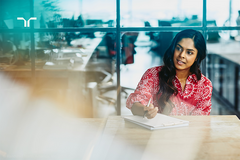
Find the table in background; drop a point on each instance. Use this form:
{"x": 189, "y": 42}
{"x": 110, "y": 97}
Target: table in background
{"x": 71, "y": 81}
{"x": 206, "y": 137}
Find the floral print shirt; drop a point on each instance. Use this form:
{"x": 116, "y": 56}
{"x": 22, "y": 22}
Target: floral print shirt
{"x": 194, "y": 100}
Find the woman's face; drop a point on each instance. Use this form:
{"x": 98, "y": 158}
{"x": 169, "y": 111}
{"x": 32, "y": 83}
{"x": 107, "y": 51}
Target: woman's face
{"x": 185, "y": 54}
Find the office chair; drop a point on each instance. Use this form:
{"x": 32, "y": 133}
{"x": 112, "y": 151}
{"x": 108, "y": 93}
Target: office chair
{"x": 163, "y": 39}
{"x": 106, "y": 88}
{"x": 8, "y": 52}
{"x": 128, "y": 47}
{"x": 102, "y": 69}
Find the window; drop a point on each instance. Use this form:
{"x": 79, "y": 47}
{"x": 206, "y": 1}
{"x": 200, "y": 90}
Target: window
{"x": 60, "y": 22}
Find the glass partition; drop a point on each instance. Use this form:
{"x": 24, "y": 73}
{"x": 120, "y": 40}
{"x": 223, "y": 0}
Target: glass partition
{"x": 68, "y": 62}
{"x": 14, "y": 50}
{"x": 223, "y": 66}
{"x": 223, "y": 13}
{"x": 93, "y": 54}
{"x": 74, "y": 13}
{"x": 11, "y": 10}
{"x": 135, "y": 13}
{"x": 64, "y": 50}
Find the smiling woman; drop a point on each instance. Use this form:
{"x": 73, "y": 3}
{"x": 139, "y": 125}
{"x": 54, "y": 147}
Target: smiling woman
{"x": 178, "y": 87}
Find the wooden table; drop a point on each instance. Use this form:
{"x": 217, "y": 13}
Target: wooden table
{"x": 206, "y": 137}
{"x": 43, "y": 133}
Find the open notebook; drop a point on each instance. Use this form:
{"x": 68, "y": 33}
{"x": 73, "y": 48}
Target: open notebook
{"x": 161, "y": 121}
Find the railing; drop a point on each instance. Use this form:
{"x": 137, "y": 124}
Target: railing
{"x": 224, "y": 75}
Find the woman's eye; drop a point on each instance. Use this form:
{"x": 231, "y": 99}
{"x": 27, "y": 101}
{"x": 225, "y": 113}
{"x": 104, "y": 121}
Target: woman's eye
{"x": 189, "y": 52}
{"x": 178, "y": 48}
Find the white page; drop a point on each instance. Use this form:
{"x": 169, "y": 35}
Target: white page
{"x": 158, "y": 122}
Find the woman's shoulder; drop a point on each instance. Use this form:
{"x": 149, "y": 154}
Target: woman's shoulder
{"x": 205, "y": 81}
{"x": 152, "y": 72}
{"x": 156, "y": 68}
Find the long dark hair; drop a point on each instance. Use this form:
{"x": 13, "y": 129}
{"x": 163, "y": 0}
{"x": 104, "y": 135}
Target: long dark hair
{"x": 168, "y": 71}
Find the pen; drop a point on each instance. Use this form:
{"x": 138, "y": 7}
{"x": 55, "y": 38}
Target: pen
{"x": 147, "y": 106}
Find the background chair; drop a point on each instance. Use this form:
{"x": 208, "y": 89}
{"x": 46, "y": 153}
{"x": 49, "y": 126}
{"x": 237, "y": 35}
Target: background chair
{"x": 163, "y": 39}
{"x": 104, "y": 66}
{"x": 8, "y": 52}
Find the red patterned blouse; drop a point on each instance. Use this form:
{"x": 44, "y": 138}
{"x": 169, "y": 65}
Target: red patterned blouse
{"x": 194, "y": 100}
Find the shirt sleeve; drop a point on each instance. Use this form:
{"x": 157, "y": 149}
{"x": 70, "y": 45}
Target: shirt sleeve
{"x": 204, "y": 104}
{"x": 143, "y": 91}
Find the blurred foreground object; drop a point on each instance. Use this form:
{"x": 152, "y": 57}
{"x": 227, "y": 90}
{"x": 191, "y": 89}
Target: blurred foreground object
{"x": 36, "y": 128}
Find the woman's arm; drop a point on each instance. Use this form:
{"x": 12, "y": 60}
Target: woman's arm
{"x": 138, "y": 100}
{"x": 140, "y": 109}
{"x": 143, "y": 91}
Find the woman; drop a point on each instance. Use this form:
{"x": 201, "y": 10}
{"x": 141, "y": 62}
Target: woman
{"x": 178, "y": 87}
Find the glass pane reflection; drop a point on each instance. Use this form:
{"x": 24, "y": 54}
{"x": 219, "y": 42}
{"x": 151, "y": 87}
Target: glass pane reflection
{"x": 14, "y": 50}
{"x": 66, "y": 50}
{"x": 223, "y": 66}
{"x": 176, "y": 12}
{"x": 225, "y": 14}
{"x": 10, "y": 10}
{"x": 74, "y": 13}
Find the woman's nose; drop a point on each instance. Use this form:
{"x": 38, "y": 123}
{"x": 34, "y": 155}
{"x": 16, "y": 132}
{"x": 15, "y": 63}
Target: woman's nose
{"x": 182, "y": 54}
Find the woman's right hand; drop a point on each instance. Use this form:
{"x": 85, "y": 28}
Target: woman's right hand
{"x": 150, "y": 111}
